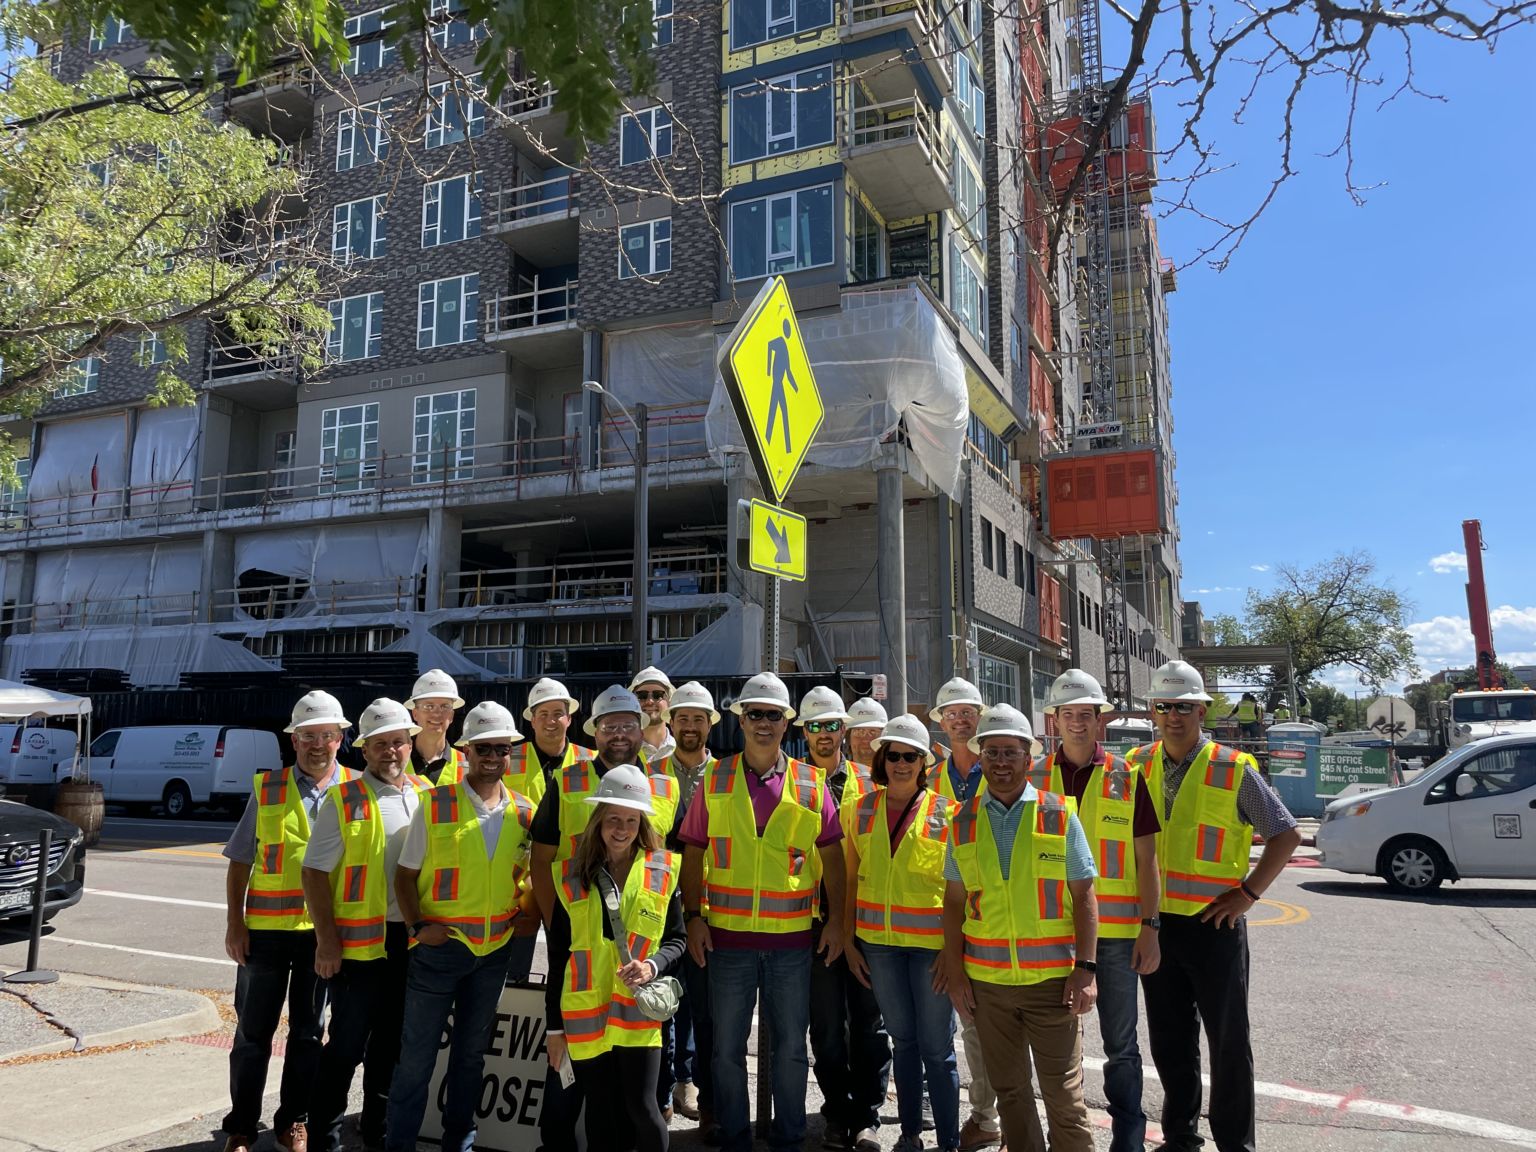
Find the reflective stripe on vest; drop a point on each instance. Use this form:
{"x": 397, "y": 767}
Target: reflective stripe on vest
{"x": 274, "y": 898}
{"x": 453, "y": 767}
{"x": 1108, "y": 816}
{"x": 576, "y": 781}
{"x": 761, "y": 883}
{"x": 1204, "y": 845}
{"x": 359, "y": 883}
{"x": 527, "y": 775}
{"x": 900, "y": 897}
{"x": 458, "y": 886}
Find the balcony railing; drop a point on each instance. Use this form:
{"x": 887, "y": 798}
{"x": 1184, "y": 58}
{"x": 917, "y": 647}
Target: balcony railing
{"x": 683, "y": 572}
{"x": 239, "y": 362}
{"x": 895, "y": 150}
{"x": 523, "y": 97}
{"x": 536, "y": 308}
{"x": 531, "y": 201}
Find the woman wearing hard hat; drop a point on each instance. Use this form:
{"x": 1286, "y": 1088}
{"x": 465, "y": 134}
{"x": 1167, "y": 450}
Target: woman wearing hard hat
{"x": 618, "y": 926}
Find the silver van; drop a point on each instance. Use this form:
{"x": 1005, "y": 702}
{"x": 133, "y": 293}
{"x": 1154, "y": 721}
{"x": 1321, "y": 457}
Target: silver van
{"x": 181, "y": 766}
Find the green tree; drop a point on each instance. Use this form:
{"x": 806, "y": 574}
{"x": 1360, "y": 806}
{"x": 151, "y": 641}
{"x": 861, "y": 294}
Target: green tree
{"x": 124, "y": 223}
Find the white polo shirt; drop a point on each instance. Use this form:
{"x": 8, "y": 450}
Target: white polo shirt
{"x": 396, "y": 807}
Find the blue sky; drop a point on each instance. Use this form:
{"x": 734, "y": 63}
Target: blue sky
{"x": 1363, "y": 377}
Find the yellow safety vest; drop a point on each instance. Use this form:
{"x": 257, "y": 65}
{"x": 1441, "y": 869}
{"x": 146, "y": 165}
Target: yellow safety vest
{"x": 474, "y": 896}
{"x": 761, "y": 883}
{"x": 1204, "y": 845}
{"x": 1018, "y": 930}
{"x": 359, "y": 885}
{"x": 900, "y": 898}
{"x": 1108, "y": 815}
{"x": 946, "y": 787}
{"x": 274, "y": 898}
{"x": 1247, "y": 713}
{"x": 527, "y": 775}
{"x": 597, "y": 1007}
{"x": 859, "y": 784}
{"x": 453, "y": 767}
{"x": 1282, "y": 714}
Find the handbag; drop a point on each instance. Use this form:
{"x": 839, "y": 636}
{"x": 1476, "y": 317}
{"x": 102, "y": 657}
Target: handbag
{"x": 660, "y": 998}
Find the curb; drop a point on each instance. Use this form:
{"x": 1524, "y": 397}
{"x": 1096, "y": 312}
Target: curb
{"x": 204, "y": 1018}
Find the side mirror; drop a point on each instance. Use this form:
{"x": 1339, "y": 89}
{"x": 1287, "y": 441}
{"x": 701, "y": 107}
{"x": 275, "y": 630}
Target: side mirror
{"x": 1465, "y": 785}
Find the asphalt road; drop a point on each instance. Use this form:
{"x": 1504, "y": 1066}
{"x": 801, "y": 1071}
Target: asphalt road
{"x": 1390, "y": 1005}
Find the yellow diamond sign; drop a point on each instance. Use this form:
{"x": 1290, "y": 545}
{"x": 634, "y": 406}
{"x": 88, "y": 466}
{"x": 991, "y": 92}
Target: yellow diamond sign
{"x": 776, "y": 541}
{"x": 771, "y": 387}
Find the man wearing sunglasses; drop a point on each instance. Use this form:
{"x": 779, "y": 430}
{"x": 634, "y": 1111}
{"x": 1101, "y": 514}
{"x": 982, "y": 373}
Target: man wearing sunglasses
{"x": 434, "y": 700}
{"x": 1212, "y": 800}
{"x": 752, "y": 836}
{"x": 652, "y": 688}
{"x": 848, "y": 1039}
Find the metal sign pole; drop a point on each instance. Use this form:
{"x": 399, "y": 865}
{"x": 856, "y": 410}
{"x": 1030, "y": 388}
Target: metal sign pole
{"x": 771, "y": 627}
{"x": 34, "y": 974}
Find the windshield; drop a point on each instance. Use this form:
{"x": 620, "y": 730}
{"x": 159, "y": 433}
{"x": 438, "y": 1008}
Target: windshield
{"x": 1481, "y": 709}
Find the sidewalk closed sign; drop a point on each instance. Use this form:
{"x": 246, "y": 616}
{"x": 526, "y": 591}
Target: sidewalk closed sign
{"x": 1344, "y": 771}
{"x": 512, "y": 1084}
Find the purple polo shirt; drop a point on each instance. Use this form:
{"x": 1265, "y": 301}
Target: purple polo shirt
{"x": 765, "y": 794}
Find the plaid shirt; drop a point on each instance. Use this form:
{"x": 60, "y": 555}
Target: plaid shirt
{"x": 1257, "y": 803}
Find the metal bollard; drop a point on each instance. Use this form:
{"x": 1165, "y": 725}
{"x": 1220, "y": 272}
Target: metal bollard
{"x": 34, "y": 974}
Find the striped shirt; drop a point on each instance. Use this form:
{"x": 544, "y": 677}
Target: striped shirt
{"x": 1005, "y": 827}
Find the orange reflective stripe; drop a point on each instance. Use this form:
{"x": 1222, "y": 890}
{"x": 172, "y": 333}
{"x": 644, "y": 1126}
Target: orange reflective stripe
{"x": 284, "y": 903}
{"x": 445, "y": 884}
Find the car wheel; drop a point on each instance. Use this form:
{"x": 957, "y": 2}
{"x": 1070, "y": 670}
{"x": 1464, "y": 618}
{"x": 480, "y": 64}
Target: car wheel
{"x": 1413, "y": 866}
{"x": 177, "y": 801}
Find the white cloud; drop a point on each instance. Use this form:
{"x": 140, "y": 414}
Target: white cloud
{"x": 1448, "y": 562}
{"x": 1518, "y": 619}
{"x": 1259, "y": 567}
{"x": 1446, "y": 641}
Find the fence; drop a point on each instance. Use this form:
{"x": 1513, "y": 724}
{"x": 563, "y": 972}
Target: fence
{"x": 673, "y": 572}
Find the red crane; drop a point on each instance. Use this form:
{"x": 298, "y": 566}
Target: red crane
{"x": 1477, "y": 607}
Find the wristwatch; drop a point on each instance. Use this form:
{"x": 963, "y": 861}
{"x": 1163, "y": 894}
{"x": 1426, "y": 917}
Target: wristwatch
{"x": 1152, "y": 922}
{"x": 415, "y": 929}
{"x": 1086, "y": 965}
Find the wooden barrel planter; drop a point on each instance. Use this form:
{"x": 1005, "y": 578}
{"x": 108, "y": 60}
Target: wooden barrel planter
{"x": 81, "y": 803}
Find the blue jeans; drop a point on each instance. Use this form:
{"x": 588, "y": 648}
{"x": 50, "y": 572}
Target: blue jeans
{"x": 1122, "y": 1057}
{"x": 444, "y": 979}
{"x": 922, "y": 1027}
{"x": 682, "y": 1049}
{"x": 782, "y": 979}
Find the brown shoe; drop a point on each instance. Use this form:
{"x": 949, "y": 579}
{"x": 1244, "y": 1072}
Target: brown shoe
{"x": 667, "y": 1115}
{"x": 294, "y": 1138}
{"x": 973, "y": 1135}
{"x": 709, "y": 1128}
{"x": 236, "y": 1143}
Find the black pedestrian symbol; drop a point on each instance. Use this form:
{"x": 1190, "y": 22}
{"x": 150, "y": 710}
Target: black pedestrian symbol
{"x": 778, "y": 402}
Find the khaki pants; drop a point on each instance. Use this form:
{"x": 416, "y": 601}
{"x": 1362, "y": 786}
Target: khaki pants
{"x": 1016, "y": 1022}
{"x": 983, "y": 1099}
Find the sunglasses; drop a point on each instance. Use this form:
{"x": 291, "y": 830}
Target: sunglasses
{"x": 1162, "y": 708}
{"x": 904, "y": 757}
{"x": 617, "y": 728}
{"x": 656, "y": 695}
{"x": 815, "y": 726}
{"x": 496, "y": 750}
{"x": 759, "y": 714}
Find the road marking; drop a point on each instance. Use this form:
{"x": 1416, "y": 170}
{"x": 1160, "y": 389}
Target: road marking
{"x": 1289, "y": 914}
{"x": 156, "y": 899}
{"x": 142, "y": 951}
{"x": 130, "y": 846}
{"x": 1359, "y": 1106}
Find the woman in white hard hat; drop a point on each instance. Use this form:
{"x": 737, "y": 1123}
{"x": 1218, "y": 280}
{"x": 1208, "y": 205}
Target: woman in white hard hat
{"x": 894, "y": 927}
{"x": 618, "y": 925}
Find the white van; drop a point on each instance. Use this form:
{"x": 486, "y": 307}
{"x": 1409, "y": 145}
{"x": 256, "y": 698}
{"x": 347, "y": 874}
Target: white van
{"x": 31, "y": 760}
{"x": 180, "y": 766}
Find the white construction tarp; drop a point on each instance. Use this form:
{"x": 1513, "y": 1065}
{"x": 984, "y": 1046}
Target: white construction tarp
{"x": 79, "y": 472}
{"x": 433, "y": 653}
{"x": 731, "y": 646}
{"x": 28, "y": 700}
{"x": 151, "y": 657}
{"x": 887, "y": 356}
{"x": 163, "y": 470}
{"x": 355, "y": 567}
{"x": 99, "y": 586}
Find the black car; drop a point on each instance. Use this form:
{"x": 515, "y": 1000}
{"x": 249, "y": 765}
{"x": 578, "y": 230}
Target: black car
{"x": 19, "y": 827}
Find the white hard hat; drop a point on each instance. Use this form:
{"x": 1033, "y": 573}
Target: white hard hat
{"x": 625, "y": 786}
{"x": 433, "y": 685}
{"x": 614, "y": 699}
{"x": 907, "y": 729}
{"x": 693, "y": 695}
{"x": 1074, "y": 686}
{"x": 764, "y": 688}
{"x": 651, "y": 675}
{"x": 545, "y": 691}
{"x": 866, "y": 713}
{"x": 820, "y": 703}
{"x": 316, "y": 708}
{"x": 488, "y": 720}
{"x": 958, "y": 691}
{"x": 384, "y": 715}
{"x": 1005, "y": 720}
{"x": 1177, "y": 680}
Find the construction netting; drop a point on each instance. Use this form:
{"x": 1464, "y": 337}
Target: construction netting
{"x": 345, "y": 568}
{"x": 80, "y": 471}
{"x": 152, "y": 657}
{"x": 93, "y": 587}
{"x": 162, "y": 473}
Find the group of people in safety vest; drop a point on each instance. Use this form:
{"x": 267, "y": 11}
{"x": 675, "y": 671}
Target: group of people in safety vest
{"x": 866, "y": 902}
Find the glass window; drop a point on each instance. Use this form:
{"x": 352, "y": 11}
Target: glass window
{"x": 1002, "y": 553}
{"x": 1018, "y": 568}
{"x": 79, "y": 378}
{"x": 645, "y": 134}
{"x": 645, "y": 249}
{"x": 450, "y": 311}
{"x": 454, "y": 115}
{"x": 14, "y": 495}
{"x": 362, "y": 135}
{"x": 781, "y": 233}
{"x": 1015, "y": 342}
{"x": 1029, "y": 560}
{"x": 970, "y": 202}
{"x": 784, "y": 114}
{"x": 986, "y": 543}
{"x": 998, "y": 681}
{"x": 450, "y": 211}
{"x": 285, "y": 457}
{"x": 358, "y": 231}
{"x": 754, "y": 21}
{"x": 349, "y": 446}
{"x": 1482, "y": 709}
{"x": 662, "y": 12}
{"x": 450, "y": 30}
{"x": 443, "y": 435}
{"x": 111, "y": 34}
{"x": 863, "y": 244}
{"x": 969, "y": 298}
{"x": 1502, "y": 772}
{"x": 375, "y": 53}
{"x": 357, "y": 327}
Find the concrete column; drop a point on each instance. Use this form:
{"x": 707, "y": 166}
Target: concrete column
{"x": 218, "y": 574}
{"x": 445, "y": 539}
{"x": 893, "y": 588}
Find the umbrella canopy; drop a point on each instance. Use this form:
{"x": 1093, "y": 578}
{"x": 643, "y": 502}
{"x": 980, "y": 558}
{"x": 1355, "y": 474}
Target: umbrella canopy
{"x": 27, "y": 700}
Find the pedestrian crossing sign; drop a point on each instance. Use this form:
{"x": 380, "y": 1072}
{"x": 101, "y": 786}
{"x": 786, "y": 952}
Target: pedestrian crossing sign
{"x": 769, "y": 380}
{"x": 776, "y": 541}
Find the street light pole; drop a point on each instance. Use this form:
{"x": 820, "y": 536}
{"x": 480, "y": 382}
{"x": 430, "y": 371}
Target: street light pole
{"x": 641, "y": 623}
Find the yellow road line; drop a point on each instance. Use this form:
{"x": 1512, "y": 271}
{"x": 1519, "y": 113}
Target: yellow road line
{"x": 1289, "y": 914}
{"x": 128, "y": 846}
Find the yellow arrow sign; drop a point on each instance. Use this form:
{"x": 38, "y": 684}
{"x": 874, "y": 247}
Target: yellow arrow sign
{"x": 771, "y": 387}
{"x": 777, "y": 541}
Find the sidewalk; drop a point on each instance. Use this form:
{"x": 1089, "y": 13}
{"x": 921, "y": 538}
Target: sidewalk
{"x": 82, "y": 1012}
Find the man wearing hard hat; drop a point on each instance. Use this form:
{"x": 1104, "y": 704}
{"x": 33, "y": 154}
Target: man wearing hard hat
{"x": 652, "y": 688}
{"x": 750, "y": 839}
{"x": 848, "y": 1039}
{"x": 460, "y": 887}
{"x": 349, "y": 874}
{"x": 959, "y": 777}
{"x": 1020, "y": 936}
{"x": 269, "y": 933}
{"x": 866, "y": 720}
{"x": 1211, "y": 800}
{"x": 549, "y": 711}
{"x": 1121, "y": 823}
{"x": 433, "y": 702}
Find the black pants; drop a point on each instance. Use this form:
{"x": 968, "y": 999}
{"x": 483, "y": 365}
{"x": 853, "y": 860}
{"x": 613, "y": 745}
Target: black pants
{"x": 638, "y": 1124}
{"x": 696, "y": 988}
{"x": 280, "y": 967}
{"x": 1203, "y": 978}
{"x": 559, "y": 1113}
{"x": 367, "y": 1014}
{"x": 848, "y": 1040}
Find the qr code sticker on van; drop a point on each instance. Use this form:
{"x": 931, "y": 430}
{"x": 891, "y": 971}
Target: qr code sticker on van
{"x": 1506, "y": 827}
